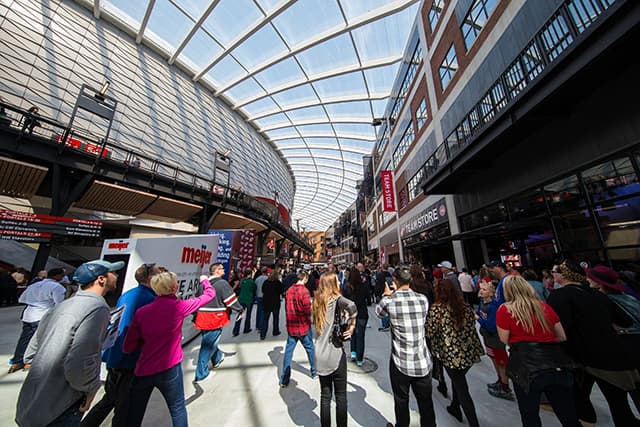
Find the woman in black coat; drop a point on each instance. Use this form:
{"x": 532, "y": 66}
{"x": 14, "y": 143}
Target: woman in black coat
{"x": 272, "y": 290}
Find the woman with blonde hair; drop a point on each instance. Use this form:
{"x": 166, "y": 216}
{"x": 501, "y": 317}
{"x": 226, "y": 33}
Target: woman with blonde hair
{"x": 537, "y": 362}
{"x": 331, "y": 362}
{"x": 156, "y": 330}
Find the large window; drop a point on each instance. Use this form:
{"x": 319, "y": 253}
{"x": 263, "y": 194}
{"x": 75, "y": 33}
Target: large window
{"x": 413, "y": 186}
{"x": 421, "y": 114}
{"x": 405, "y": 143}
{"x": 434, "y": 13}
{"x": 476, "y": 19}
{"x": 448, "y": 67}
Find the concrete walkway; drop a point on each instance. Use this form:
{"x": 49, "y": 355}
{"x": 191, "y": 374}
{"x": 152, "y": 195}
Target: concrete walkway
{"x": 244, "y": 391}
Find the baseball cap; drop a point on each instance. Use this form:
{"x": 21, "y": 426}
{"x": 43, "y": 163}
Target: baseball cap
{"x": 89, "y": 271}
{"x": 307, "y": 267}
{"x": 446, "y": 264}
{"x": 496, "y": 263}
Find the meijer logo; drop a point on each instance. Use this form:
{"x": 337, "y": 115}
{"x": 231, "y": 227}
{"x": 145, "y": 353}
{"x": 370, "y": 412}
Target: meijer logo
{"x": 120, "y": 246}
{"x": 196, "y": 256}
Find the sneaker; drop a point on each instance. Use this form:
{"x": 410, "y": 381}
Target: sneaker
{"x": 26, "y": 367}
{"x": 353, "y": 356}
{"x": 246, "y": 332}
{"x": 211, "y": 374}
{"x": 359, "y": 362}
{"x": 15, "y": 367}
{"x": 276, "y": 334}
{"x": 502, "y": 394}
{"x": 282, "y": 385}
{"x": 495, "y": 386}
{"x": 217, "y": 365}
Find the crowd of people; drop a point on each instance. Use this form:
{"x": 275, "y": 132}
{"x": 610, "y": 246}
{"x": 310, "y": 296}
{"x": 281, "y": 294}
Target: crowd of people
{"x": 550, "y": 340}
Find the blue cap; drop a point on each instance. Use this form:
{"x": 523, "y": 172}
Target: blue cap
{"x": 89, "y": 271}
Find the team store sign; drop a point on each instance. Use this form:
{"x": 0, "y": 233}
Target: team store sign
{"x": 388, "y": 200}
{"x": 428, "y": 218}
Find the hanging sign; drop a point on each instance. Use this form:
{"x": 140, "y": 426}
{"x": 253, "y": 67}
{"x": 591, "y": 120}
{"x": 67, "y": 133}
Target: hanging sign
{"x": 388, "y": 201}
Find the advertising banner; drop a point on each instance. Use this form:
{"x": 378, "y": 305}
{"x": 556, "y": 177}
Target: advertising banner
{"x": 236, "y": 249}
{"x": 187, "y": 256}
{"x": 388, "y": 201}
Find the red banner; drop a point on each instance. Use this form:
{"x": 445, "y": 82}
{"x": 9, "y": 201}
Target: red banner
{"x": 388, "y": 201}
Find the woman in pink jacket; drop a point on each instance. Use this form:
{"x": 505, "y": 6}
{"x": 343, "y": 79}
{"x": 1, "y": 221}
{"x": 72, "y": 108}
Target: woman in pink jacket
{"x": 156, "y": 330}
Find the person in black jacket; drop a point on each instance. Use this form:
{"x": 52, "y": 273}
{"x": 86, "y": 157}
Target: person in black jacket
{"x": 272, "y": 290}
{"x": 587, "y": 317}
{"x": 358, "y": 292}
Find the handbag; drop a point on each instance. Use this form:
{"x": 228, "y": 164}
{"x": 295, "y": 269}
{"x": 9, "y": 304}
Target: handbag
{"x": 339, "y": 326}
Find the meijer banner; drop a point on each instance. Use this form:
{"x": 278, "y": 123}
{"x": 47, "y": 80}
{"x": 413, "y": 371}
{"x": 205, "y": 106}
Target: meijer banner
{"x": 187, "y": 256}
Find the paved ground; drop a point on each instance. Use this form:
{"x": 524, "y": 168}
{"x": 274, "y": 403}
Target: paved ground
{"x": 244, "y": 391}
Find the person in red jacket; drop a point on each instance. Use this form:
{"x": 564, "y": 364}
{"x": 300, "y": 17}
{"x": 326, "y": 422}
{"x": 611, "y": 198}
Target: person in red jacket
{"x": 211, "y": 318}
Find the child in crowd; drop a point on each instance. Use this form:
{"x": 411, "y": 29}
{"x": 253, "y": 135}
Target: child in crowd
{"x": 496, "y": 350}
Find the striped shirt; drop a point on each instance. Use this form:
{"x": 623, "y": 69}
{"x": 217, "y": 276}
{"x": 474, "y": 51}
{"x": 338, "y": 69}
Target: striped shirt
{"x": 407, "y": 312}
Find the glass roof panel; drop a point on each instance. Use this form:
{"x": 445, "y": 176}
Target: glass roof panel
{"x": 272, "y": 121}
{"x": 386, "y": 37}
{"x": 380, "y": 79}
{"x": 346, "y": 85}
{"x": 364, "y": 130}
{"x": 132, "y": 12}
{"x": 258, "y": 48}
{"x": 349, "y": 110}
{"x": 308, "y": 114}
{"x": 284, "y": 72}
{"x": 267, "y": 5}
{"x": 168, "y": 25}
{"x": 316, "y": 130}
{"x": 245, "y": 91}
{"x": 333, "y": 54}
{"x": 260, "y": 107}
{"x": 301, "y": 21}
{"x": 299, "y": 95}
{"x": 230, "y": 19}
{"x": 335, "y": 103}
{"x": 226, "y": 71}
{"x": 200, "y": 50}
{"x": 354, "y": 9}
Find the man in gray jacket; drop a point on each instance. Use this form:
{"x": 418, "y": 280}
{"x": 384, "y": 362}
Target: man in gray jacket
{"x": 65, "y": 352}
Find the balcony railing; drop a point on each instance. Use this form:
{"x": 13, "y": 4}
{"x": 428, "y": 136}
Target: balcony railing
{"x": 559, "y": 32}
{"x": 88, "y": 144}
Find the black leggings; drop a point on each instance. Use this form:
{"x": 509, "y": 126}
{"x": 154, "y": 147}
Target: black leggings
{"x": 461, "y": 396}
{"x": 335, "y": 382}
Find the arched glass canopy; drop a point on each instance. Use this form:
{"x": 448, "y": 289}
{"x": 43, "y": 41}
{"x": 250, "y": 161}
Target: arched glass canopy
{"x": 309, "y": 74}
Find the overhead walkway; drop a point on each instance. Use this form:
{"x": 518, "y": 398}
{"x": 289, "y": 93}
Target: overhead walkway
{"x": 94, "y": 174}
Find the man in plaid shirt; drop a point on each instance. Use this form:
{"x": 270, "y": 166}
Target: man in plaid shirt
{"x": 410, "y": 363}
{"x": 298, "y": 303}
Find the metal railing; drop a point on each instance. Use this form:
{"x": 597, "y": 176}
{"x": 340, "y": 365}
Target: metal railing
{"x": 559, "y": 32}
{"x": 86, "y": 143}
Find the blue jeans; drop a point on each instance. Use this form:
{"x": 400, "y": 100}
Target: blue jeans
{"x": 208, "y": 351}
{"x": 259, "y": 313}
{"x": 247, "y": 320}
{"x": 357, "y": 339}
{"x": 170, "y": 384}
{"x": 69, "y": 418}
{"x": 386, "y": 323}
{"x": 307, "y": 343}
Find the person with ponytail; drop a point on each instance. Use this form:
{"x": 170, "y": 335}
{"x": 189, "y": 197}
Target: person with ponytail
{"x": 537, "y": 361}
{"x": 331, "y": 361}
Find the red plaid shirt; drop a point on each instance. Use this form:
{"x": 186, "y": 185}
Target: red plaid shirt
{"x": 298, "y": 310}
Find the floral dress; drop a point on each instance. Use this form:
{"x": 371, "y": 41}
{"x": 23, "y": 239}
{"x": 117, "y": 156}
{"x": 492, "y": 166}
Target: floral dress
{"x": 456, "y": 349}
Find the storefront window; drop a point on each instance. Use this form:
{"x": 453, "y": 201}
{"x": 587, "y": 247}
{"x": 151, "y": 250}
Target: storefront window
{"x": 611, "y": 179}
{"x": 490, "y": 215}
{"x": 620, "y": 221}
{"x": 576, "y": 231}
{"x": 565, "y": 195}
{"x": 527, "y": 205}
